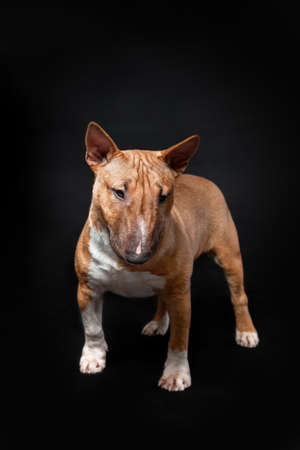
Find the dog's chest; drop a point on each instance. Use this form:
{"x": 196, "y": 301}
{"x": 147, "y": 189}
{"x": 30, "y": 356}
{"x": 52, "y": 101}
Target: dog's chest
{"x": 106, "y": 274}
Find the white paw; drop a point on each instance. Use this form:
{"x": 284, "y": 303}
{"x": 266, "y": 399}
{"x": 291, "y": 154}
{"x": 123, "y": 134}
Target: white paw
{"x": 176, "y": 375}
{"x": 175, "y": 382}
{"x": 246, "y": 338}
{"x": 92, "y": 360}
{"x": 156, "y": 327}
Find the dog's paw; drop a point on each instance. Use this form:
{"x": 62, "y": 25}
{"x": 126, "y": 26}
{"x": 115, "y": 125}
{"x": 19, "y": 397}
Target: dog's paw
{"x": 176, "y": 375}
{"x": 175, "y": 382}
{"x": 92, "y": 360}
{"x": 246, "y": 338}
{"x": 156, "y": 327}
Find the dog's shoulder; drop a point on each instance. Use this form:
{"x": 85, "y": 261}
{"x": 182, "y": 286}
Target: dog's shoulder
{"x": 82, "y": 254}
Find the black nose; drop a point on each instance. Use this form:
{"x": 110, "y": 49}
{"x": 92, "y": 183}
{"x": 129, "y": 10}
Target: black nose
{"x": 134, "y": 258}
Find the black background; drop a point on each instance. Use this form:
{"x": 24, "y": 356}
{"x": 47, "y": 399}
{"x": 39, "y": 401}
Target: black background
{"x": 150, "y": 77}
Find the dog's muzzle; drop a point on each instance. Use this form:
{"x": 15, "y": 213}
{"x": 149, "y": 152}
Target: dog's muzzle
{"x": 137, "y": 258}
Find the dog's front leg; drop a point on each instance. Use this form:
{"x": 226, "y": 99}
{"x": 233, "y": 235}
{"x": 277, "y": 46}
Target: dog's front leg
{"x": 94, "y": 350}
{"x": 176, "y": 375}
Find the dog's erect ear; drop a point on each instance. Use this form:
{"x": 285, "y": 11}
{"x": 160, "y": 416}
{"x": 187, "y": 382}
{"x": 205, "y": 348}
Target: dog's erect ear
{"x": 100, "y": 147}
{"x": 177, "y": 157}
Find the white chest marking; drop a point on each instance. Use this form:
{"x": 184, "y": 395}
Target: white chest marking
{"x": 105, "y": 273}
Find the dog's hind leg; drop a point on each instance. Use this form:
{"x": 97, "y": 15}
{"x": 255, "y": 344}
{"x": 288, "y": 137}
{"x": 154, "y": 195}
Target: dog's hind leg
{"x": 228, "y": 256}
{"x": 160, "y": 322}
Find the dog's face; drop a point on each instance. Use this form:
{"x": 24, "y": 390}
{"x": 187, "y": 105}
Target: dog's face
{"x": 133, "y": 191}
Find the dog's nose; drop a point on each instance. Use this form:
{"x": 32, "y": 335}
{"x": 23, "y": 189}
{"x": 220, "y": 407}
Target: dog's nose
{"x": 136, "y": 258}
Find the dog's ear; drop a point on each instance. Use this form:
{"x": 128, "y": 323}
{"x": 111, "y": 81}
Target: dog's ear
{"x": 177, "y": 157}
{"x": 100, "y": 147}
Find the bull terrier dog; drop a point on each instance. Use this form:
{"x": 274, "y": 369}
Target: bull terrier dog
{"x": 147, "y": 224}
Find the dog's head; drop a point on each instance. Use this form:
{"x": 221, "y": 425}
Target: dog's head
{"x": 133, "y": 191}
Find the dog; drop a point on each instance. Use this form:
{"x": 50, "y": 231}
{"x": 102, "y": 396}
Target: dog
{"x": 147, "y": 224}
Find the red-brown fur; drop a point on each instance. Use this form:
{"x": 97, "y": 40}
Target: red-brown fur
{"x": 193, "y": 220}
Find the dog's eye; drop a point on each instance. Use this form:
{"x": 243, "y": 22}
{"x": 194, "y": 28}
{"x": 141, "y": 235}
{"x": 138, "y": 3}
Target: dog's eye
{"x": 162, "y": 198}
{"x": 119, "y": 194}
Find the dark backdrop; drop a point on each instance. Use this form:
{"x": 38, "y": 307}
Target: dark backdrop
{"x": 150, "y": 77}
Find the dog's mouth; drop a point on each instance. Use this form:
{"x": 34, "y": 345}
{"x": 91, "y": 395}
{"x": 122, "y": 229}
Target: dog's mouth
{"x": 131, "y": 257}
{"x": 137, "y": 259}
